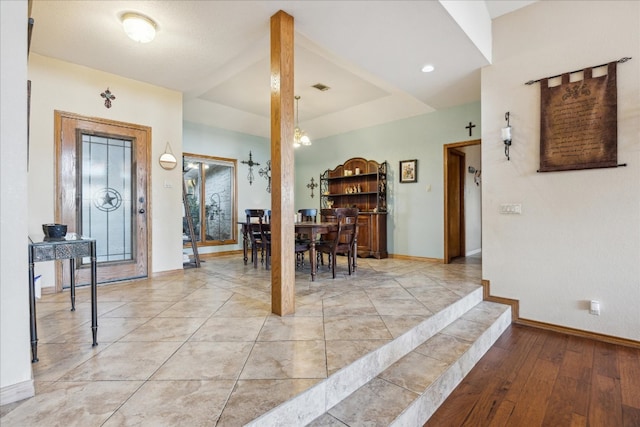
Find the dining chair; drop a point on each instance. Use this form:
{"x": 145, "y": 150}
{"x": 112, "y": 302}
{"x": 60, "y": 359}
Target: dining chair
{"x": 343, "y": 240}
{"x": 308, "y": 215}
{"x": 303, "y": 241}
{"x": 259, "y": 236}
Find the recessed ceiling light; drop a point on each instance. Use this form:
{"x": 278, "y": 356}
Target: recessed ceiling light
{"x": 428, "y": 68}
{"x": 139, "y": 28}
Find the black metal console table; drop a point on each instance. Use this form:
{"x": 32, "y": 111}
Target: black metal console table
{"x": 50, "y": 250}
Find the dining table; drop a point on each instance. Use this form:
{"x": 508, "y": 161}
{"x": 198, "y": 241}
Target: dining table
{"x": 309, "y": 228}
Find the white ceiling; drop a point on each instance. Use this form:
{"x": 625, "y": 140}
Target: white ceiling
{"x": 217, "y": 54}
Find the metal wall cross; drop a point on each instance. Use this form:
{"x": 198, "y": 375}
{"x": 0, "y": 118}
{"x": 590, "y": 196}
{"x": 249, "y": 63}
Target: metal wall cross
{"x": 251, "y": 164}
{"x": 312, "y": 185}
{"x": 470, "y": 127}
{"x": 108, "y": 97}
{"x": 266, "y": 174}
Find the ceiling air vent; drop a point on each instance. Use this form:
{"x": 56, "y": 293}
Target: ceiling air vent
{"x": 321, "y": 87}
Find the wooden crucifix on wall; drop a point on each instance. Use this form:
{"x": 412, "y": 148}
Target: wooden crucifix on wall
{"x": 470, "y": 127}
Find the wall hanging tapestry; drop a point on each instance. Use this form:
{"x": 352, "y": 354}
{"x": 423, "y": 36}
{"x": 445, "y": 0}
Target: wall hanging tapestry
{"x": 578, "y": 121}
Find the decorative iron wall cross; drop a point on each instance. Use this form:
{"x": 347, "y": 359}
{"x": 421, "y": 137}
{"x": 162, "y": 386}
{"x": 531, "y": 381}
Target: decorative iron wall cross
{"x": 312, "y": 185}
{"x": 108, "y": 97}
{"x": 251, "y": 164}
{"x": 266, "y": 174}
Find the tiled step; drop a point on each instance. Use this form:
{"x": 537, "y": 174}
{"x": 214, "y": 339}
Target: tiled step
{"x": 337, "y": 389}
{"x": 410, "y": 391}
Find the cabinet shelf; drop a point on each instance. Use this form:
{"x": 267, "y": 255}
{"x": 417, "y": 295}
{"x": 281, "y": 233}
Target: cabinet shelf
{"x": 361, "y": 193}
{"x": 351, "y": 177}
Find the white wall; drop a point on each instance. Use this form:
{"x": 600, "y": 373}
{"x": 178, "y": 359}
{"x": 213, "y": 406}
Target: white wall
{"x": 59, "y": 85}
{"x": 472, "y": 201}
{"x": 209, "y": 141}
{"x": 578, "y": 237}
{"x": 415, "y": 222}
{"x": 15, "y": 367}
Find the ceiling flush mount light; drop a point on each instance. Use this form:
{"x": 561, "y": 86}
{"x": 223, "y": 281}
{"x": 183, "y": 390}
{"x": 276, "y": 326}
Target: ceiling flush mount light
{"x": 299, "y": 136}
{"x": 139, "y": 28}
{"x": 428, "y": 68}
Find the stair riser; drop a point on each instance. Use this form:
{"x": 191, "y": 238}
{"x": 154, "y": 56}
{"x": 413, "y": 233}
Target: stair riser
{"x": 352, "y": 377}
{"x": 425, "y": 406}
{"x": 312, "y": 403}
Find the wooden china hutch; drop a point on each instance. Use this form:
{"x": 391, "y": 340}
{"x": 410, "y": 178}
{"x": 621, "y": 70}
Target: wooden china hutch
{"x": 361, "y": 183}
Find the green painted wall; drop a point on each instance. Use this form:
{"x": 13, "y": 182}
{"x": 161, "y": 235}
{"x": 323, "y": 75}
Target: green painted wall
{"x": 415, "y": 223}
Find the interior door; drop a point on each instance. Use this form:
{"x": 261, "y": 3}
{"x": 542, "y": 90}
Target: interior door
{"x": 455, "y": 203}
{"x": 101, "y": 187}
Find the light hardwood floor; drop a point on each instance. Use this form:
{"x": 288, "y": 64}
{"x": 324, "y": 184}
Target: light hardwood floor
{"x": 531, "y": 377}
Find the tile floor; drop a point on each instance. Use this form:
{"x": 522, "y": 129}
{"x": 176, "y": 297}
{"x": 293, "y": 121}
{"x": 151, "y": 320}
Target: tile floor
{"x": 201, "y": 347}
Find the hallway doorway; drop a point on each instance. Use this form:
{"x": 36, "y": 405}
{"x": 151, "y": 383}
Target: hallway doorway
{"x": 458, "y": 182}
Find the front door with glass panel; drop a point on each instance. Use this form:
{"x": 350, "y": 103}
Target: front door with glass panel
{"x": 102, "y": 187}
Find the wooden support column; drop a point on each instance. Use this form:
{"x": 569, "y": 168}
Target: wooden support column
{"x": 282, "y": 159}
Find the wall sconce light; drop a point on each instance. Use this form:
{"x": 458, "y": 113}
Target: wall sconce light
{"x": 506, "y": 135}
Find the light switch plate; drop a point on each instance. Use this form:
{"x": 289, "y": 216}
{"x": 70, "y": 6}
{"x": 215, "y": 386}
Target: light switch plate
{"x": 511, "y": 209}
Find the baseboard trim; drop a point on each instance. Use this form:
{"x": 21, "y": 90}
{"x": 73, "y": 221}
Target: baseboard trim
{"x": 609, "y": 339}
{"x": 515, "y": 318}
{"x": 15, "y": 392}
{"x": 209, "y": 255}
{"x": 514, "y": 303}
{"x": 217, "y": 254}
{"x": 165, "y": 273}
{"x": 415, "y": 258}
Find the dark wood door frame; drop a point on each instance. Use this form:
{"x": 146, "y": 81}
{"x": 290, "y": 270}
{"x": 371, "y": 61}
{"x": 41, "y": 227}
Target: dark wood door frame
{"x": 445, "y": 156}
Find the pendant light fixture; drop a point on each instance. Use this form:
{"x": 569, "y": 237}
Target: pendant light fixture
{"x": 300, "y": 137}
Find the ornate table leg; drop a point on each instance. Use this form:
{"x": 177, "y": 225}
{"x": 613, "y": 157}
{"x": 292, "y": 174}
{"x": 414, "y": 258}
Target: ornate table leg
{"x": 355, "y": 253}
{"x": 245, "y": 242}
{"x": 72, "y": 282}
{"x": 94, "y": 294}
{"x": 32, "y": 310}
{"x": 312, "y": 255}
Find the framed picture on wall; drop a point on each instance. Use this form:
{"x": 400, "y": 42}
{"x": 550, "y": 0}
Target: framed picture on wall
{"x": 408, "y": 171}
